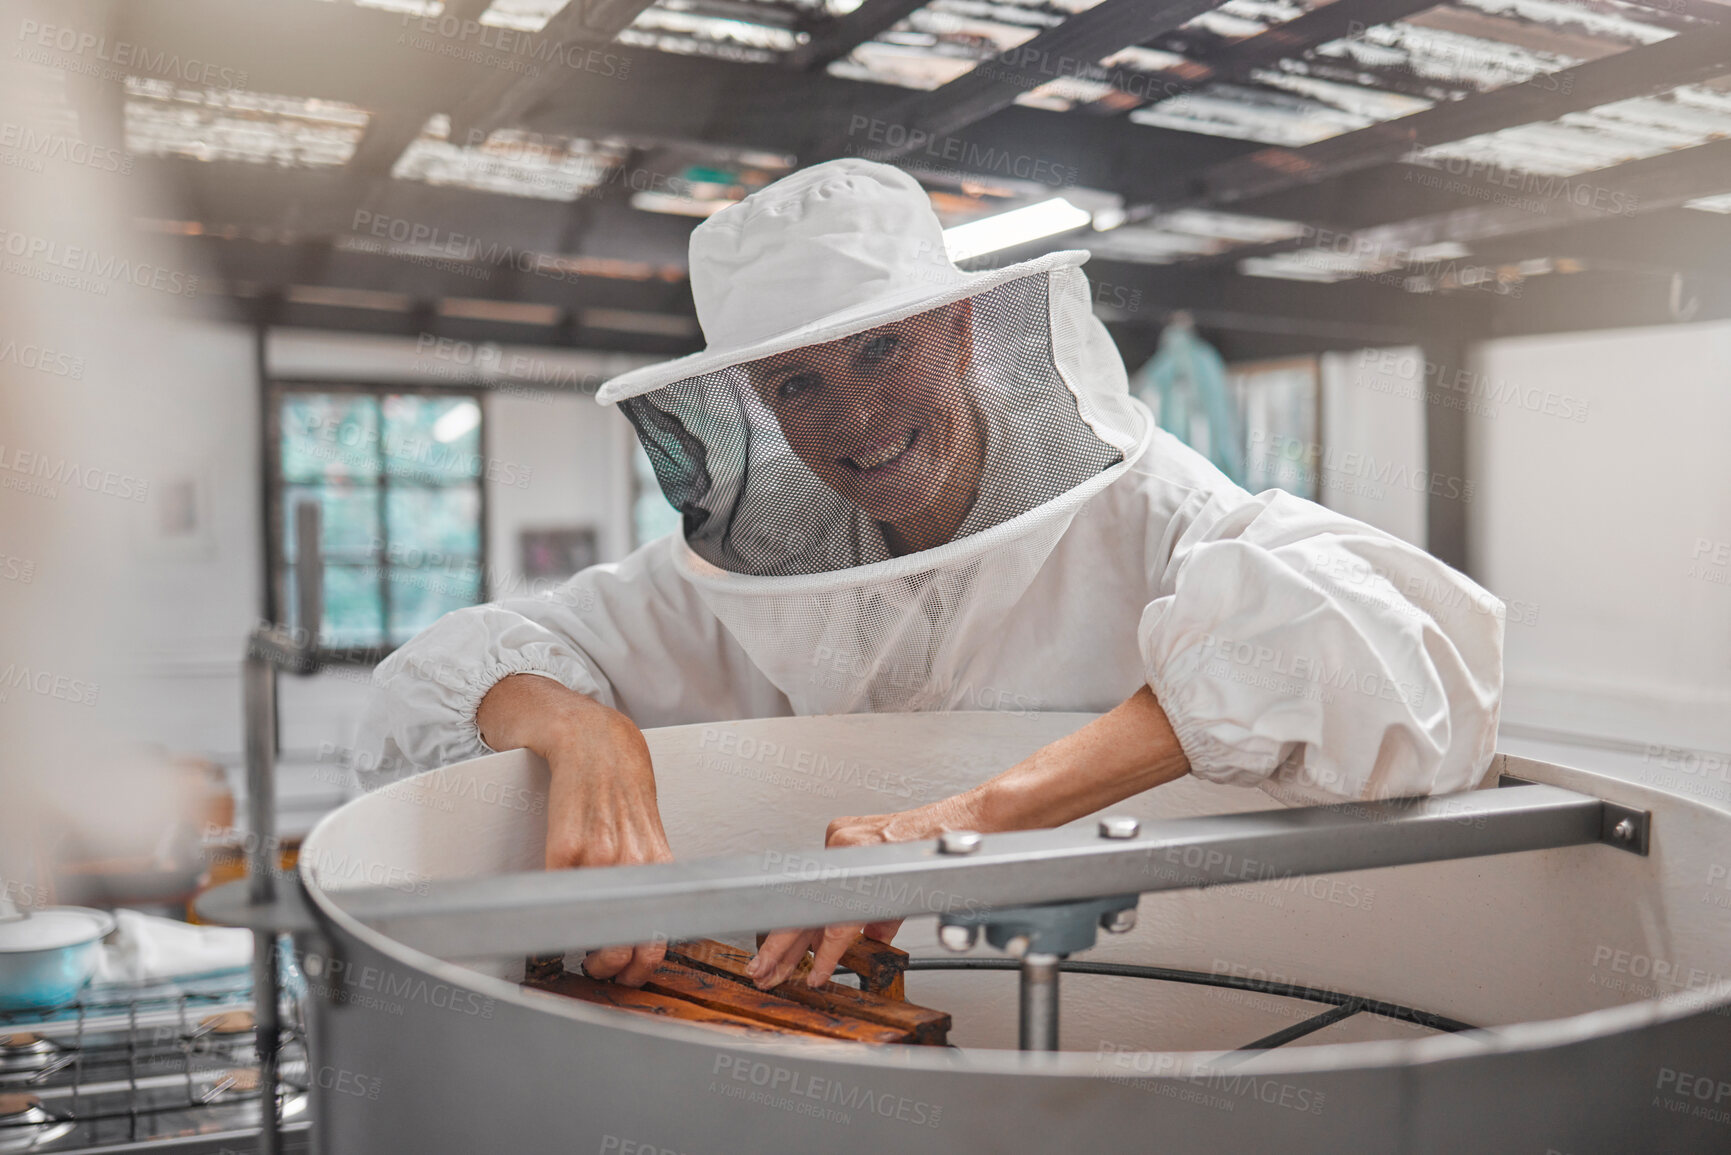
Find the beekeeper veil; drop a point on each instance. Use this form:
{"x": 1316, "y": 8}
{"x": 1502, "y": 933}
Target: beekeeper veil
{"x": 877, "y": 451}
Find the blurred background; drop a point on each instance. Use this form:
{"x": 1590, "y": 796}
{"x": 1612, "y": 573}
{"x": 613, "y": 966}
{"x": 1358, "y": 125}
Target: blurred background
{"x": 1462, "y": 270}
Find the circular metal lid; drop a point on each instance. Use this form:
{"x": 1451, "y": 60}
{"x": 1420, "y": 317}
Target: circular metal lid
{"x": 54, "y": 928}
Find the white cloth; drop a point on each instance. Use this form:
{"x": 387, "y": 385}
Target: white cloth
{"x": 145, "y": 948}
{"x": 1292, "y": 648}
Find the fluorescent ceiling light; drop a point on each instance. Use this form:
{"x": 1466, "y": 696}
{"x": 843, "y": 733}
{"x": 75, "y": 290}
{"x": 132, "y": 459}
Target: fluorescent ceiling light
{"x": 1015, "y": 227}
{"x": 1107, "y": 219}
{"x": 684, "y": 206}
{"x": 1441, "y": 251}
{"x": 1719, "y": 203}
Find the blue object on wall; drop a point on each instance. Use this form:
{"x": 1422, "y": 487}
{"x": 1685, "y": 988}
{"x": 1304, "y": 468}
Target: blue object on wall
{"x": 1184, "y": 383}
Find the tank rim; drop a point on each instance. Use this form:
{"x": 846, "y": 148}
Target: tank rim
{"x": 1508, "y": 1039}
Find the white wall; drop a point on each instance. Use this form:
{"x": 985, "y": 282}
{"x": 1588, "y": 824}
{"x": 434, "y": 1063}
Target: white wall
{"x": 200, "y": 592}
{"x": 568, "y": 453}
{"x": 1607, "y": 527}
{"x": 1373, "y": 430}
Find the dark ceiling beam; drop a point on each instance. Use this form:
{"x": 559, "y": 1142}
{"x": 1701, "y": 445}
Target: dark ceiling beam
{"x": 390, "y": 131}
{"x": 1598, "y": 300}
{"x": 1336, "y": 316}
{"x": 266, "y": 264}
{"x": 1349, "y": 311}
{"x": 1372, "y": 196}
{"x": 1689, "y": 57}
{"x": 1078, "y": 43}
{"x": 416, "y": 322}
{"x": 501, "y": 100}
{"x": 1621, "y": 240}
{"x": 1602, "y": 196}
{"x": 836, "y": 38}
{"x": 671, "y": 100}
{"x": 1279, "y": 307}
{"x": 1237, "y": 347}
{"x": 814, "y": 117}
{"x": 1608, "y": 194}
{"x": 1075, "y": 47}
{"x": 1309, "y": 332}
{"x": 255, "y": 197}
{"x": 1551, "y": 305}
{"x": 1685, "y": 241}
{"x": 1318, "y": 26}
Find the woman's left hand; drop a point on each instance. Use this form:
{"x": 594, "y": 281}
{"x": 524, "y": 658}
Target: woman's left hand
{"x": 780, "y": 954}
{"x": 1118, "y": 754}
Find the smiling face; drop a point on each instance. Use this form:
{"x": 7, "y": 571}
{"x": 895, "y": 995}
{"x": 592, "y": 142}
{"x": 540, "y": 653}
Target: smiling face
{"x": 886, "y": 418}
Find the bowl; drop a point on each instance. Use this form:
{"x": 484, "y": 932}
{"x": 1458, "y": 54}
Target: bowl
{"x": 46, "y": 956}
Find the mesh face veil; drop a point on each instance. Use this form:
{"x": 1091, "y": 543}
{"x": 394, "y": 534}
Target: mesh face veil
{"x": 878, "y": 444}
{"x": 860, "y": 511}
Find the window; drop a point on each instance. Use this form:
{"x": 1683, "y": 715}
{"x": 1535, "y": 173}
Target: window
{"x": 651, "y": 514}
{"x": 398, "y": 478}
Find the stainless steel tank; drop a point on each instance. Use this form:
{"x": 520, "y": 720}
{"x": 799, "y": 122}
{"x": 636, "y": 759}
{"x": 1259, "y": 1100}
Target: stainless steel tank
{"x": 1598, "y": 978}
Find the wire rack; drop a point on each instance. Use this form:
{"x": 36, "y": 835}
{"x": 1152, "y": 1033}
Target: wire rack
{"x": 131, "y": 1052}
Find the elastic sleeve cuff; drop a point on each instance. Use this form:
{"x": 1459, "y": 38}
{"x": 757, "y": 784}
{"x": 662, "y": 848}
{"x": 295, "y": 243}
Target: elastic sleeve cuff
{"x": 572, "y": 676}
{"x": 1210, "y": 758}
{"x": 430, "y": 689}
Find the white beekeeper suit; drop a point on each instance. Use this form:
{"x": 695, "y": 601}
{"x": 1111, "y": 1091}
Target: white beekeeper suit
{"x": 1291, "y": 648}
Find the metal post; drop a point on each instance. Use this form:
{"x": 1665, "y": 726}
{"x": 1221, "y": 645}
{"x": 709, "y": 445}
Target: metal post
{"x": 259, "y": 679}
{"x": 265, "y": 651}
{"x": 1039, "y": 1026}
{"x": 309, "y": 578}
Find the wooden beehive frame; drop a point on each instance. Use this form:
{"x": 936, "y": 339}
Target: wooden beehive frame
{"x": 704, "y": 982}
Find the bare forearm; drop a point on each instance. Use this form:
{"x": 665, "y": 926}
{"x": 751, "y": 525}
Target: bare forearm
{"x": 1122, "y": 753}
{"x": 527, "y": 711}
{"x": 601, "y": 808}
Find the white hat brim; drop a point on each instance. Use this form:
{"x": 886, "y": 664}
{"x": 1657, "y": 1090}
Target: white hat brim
{"x": 868, "y": 315}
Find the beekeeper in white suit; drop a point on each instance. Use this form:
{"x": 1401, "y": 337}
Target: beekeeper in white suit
{"x": 906, "y": 487}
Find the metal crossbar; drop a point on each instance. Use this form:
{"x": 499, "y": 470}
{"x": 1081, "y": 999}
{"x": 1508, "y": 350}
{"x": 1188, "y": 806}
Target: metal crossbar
{"x": 538, "y": 912}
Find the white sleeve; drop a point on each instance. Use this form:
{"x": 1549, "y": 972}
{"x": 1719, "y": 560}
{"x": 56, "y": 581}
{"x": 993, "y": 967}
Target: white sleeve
{"x": 631, "y": 635}
{"x": 1296, "y": 649}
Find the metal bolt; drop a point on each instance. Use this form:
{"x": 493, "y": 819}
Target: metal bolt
{"x": 1018, "y": 946}
{"x": 1119, "y": 921}
{"x": 1119, "y": 826}
{"x": 957, "y": 937}
{"x": 312, "y": 965}
{"x": 959, "y": 841}
{"x": 1624, "y": 831}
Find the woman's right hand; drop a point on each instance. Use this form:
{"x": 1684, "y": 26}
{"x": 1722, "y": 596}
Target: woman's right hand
{"x": 601, "y": 804}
